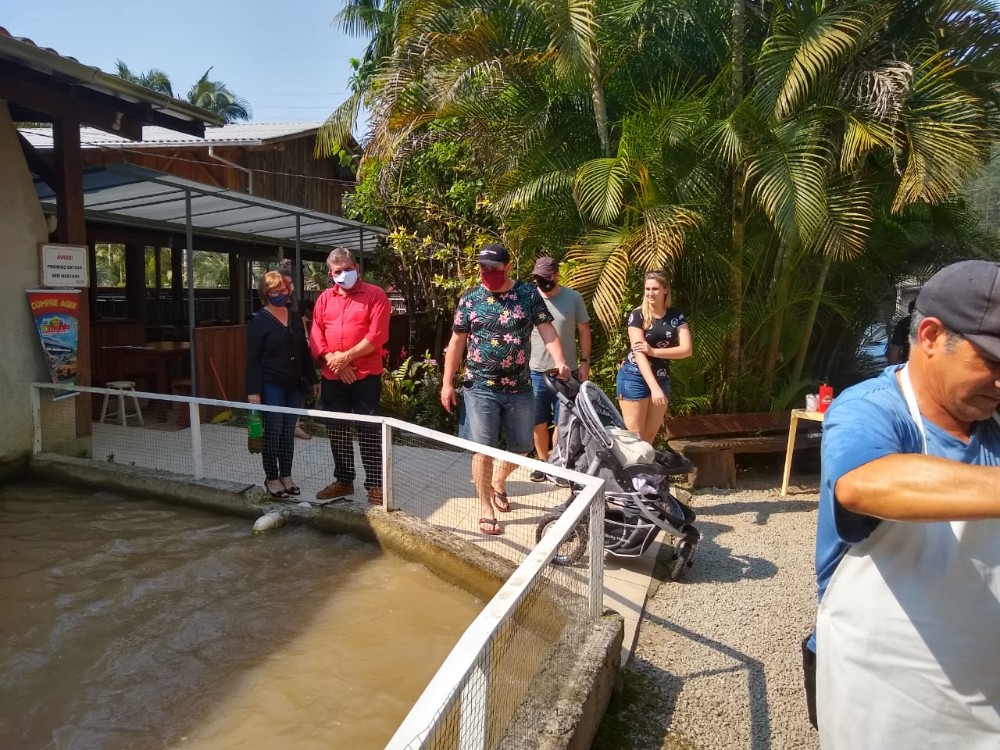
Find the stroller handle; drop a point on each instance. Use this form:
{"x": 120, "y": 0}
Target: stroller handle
{"x": 565, "y": 390}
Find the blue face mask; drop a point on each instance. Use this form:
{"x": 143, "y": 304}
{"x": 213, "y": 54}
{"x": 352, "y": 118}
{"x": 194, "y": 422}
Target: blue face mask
{"x": 278, "y": 300}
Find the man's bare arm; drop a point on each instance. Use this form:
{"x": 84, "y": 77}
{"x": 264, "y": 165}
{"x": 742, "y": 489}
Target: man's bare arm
{"x": 913, "y": 487}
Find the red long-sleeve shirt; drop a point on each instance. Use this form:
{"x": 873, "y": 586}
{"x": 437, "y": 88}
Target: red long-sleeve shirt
{"x": 344, "y": 318}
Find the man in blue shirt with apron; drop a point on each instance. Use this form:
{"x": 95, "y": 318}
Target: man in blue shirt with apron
{"x": 908, "y": 539}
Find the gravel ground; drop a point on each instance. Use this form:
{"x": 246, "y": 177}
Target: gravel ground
{"x": 718, "y": 661}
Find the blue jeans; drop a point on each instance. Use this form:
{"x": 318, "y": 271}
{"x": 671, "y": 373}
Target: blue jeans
{"x": 279, "y": 429}
{"x": 487, "y": 411}
{"x": 631, "y": 386}
{"x": 546, "y": 403}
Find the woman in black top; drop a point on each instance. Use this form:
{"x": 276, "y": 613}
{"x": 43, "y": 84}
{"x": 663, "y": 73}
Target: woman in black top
{"x": 657, "y": 334}
{"x": 279, "y": 368}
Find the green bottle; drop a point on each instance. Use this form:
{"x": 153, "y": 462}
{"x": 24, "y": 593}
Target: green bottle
{"x": 255, "y": 432}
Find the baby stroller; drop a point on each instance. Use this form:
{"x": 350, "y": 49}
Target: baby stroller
{"x": 592, "y": 438}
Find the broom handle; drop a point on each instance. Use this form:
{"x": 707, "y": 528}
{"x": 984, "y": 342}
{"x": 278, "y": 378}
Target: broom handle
{"x": 218, "y": 380}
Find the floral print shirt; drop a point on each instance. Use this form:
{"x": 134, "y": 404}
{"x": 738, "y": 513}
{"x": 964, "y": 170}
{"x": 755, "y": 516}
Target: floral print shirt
{"x": 499, "y": 327}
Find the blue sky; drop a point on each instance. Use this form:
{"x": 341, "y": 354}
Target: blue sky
{"x": 286, "y": 57}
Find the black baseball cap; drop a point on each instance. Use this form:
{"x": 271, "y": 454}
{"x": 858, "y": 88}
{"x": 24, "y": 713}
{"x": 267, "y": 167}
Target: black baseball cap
{"x": 965, "y": 297}
{"x": 495, "y": 253}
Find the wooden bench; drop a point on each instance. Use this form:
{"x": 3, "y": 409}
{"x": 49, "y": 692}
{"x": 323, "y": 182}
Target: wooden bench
{"x": 711, "y": 442}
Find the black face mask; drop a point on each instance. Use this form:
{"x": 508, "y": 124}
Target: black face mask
{"x": 546, "y": 285}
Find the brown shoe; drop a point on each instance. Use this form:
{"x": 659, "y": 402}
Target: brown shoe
{"x": 375, "y": 495}
{"x": 335, "y": 490}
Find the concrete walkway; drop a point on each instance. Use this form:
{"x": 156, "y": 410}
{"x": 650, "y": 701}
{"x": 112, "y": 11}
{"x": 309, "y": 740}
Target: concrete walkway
{"x": 429, "y": 483}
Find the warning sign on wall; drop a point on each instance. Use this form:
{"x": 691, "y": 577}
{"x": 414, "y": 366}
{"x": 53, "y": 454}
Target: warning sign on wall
{"x": 64, "y": 265}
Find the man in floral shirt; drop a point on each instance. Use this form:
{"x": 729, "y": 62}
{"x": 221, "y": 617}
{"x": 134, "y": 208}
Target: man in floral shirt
{"x": 494, "y": 321}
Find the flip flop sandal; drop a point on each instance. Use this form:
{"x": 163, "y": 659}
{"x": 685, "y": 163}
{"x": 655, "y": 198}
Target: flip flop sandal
{"x": 280, "y": 494}
{"x": 293, "y": 490}
{"x": 499, "y": 500}
{"x": 493, "y": 524}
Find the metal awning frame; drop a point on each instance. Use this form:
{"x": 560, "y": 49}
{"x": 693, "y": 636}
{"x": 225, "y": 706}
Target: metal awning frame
{"x": 107, "y": 198}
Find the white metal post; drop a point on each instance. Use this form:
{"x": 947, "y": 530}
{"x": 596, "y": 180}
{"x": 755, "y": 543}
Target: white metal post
{"x": 386, "y": 465}
{"x": 36, "y": 420}
{"x": 475, "y": 704}
{"x": 197, "y": 460}
{"x": 596, "y": 582}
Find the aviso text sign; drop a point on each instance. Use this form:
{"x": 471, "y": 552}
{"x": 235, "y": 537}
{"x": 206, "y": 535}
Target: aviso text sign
{"x": 64, "y": 265}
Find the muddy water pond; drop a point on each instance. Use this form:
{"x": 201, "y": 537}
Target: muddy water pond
{"x": 132, "y": 624}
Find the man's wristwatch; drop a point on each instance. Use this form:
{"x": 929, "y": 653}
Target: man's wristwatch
{"x": 584, "y": 360}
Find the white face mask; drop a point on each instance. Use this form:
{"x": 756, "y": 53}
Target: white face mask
{"x": 346, "y": 279}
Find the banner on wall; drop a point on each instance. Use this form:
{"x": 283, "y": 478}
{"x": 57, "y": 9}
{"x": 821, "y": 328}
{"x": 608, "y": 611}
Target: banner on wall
{"x": 57, "y": 318}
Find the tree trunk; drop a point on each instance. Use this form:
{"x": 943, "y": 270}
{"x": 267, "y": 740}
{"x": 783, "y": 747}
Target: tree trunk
{"x": 800, "y": 357}
{"x": 597, "y": 94}
{"x": 739, "y": 28}
{"x": 781, "y": 266}
{"x": 734, "y": 345}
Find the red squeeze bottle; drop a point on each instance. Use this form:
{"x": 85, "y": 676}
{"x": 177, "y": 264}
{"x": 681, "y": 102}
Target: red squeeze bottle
{"x": 825, "y": 397}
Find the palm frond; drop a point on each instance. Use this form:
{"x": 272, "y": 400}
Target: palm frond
{"x": 788, "y": 179}
{"x": 807, "y": 45}
{"x": 600, "y": 188}
{"x": 600, "y": 262}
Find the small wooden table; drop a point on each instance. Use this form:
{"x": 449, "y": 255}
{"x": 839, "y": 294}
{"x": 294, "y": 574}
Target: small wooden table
{"x": 793, "y": 426}
{"x": 163, "y": 359}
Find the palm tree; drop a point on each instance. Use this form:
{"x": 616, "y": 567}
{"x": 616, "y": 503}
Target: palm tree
{"x": 216, "y": 97}
{"x": 154, "y": 78}
{"x": 753, "y": 152}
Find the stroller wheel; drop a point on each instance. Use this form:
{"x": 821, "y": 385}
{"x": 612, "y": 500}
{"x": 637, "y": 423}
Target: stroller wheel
{"x": 685, "y": 555}
{"x": 574, "y": 545}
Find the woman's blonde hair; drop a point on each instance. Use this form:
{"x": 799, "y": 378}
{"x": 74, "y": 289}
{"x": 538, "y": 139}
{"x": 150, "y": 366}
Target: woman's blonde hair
{"x": 268, "y": 283}
{"x": 647, "y": 310}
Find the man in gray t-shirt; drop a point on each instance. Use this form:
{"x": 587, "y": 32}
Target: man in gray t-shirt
{"x": 571, "y": 320}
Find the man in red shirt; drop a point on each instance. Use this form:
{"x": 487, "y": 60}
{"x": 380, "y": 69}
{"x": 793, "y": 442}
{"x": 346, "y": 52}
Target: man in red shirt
{"x": 350, "y": 327}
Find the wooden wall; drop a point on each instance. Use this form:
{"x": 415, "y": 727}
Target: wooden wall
{"x": 104, "y": 366}
{"x": 322, "y": 191}
{"x": 226, "y": 348}
{"x": 321, "y": 186}
{"x": 190, "y": 164}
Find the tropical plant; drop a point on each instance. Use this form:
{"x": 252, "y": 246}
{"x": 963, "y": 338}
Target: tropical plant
{"x": 760, "y": 153}
{"x": 214, "y": 96}
{"x": 153, "y": 79}
{"x": 412, "y": 392}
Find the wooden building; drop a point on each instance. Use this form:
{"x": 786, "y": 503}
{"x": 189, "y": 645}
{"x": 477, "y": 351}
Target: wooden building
{"x": 248, "y": 192}
{"x": 275, "y": 161}
{"x": 39, "y": 85}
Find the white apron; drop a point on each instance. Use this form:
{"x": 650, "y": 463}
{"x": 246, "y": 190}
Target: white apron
{"x": 908, "y": 636}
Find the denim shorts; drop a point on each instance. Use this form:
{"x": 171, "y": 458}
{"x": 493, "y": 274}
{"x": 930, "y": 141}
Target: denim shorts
{"x": 486, "y": 412}
{"x": 631, "y": 386}
{"x": 546, "y": 403}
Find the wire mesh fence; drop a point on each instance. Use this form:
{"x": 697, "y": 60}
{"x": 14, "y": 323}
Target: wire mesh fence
{"x": 514, "y": 653}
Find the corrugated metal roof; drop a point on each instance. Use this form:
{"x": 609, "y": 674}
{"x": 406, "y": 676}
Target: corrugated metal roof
{"x": 126, "y": 195}
{"x": 47, "y": 61}
{"x": 242, "y": 134}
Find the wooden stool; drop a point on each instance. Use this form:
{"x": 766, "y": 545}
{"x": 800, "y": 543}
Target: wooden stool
{"x": 124, "y": 388}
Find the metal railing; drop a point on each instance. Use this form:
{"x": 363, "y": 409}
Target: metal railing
{"x": 472, "y": 701}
